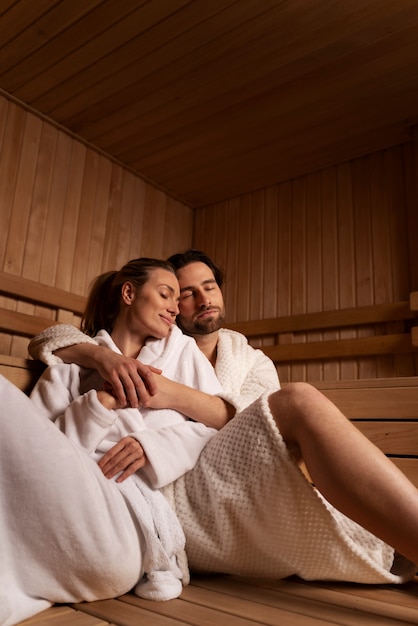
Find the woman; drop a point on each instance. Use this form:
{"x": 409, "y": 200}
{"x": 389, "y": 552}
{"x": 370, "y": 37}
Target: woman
{"x": 62, "y": 521}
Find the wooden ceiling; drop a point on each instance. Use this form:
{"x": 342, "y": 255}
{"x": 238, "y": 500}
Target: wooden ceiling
{"x": 212, "y": 98}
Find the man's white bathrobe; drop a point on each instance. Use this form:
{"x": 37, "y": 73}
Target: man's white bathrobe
{"x": 245, "y": 507}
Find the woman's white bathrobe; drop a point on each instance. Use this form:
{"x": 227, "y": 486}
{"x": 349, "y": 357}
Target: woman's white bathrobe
{"x": 172, "y": 444}
{"x": 67, "y": 533}
{"x": 246, "y": 508}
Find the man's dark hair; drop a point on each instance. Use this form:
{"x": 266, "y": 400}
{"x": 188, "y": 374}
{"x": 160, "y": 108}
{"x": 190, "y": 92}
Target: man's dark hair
{"x": 192, "y": 256}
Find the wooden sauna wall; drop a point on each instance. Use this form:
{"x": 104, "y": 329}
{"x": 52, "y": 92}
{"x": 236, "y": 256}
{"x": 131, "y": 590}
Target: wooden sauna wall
{"x": 343, "y": 237}
{"x": 68, "y": 213}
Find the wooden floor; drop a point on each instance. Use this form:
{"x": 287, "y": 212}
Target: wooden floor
{"x": 232, "y": 601}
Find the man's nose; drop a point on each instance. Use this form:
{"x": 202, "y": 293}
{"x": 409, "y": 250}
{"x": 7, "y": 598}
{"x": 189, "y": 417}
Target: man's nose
{"x": 204, "y": 300}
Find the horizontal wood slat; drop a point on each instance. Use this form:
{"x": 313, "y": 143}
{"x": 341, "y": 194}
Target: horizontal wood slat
{"x": 21, "y": 372}
{"x": 393, "y": 311}
{"x": 393, "y": 438}
{"x": 32, "y": 291}
{"x": 413, "y": 301}
{"x": 341, "y": 348}
{"x": 382, "y": 402}
{"x": 22, "y": 323}
{"x": 294, "y": 346}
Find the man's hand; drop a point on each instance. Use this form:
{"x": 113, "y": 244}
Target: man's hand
{"x": 127, "y": 457}
{"x": 133, "y": 383}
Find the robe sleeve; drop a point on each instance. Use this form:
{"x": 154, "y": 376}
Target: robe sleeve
{"x": 42, "y": 346}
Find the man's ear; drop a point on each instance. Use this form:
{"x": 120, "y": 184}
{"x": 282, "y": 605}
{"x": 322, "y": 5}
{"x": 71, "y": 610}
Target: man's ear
{"x": 128, "y": 293}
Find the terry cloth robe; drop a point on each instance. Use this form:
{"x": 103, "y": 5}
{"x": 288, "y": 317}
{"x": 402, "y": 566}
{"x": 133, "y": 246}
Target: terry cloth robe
{"x": 171, "y": 442}
{"x": 67, "y": 534}
{"x": 221, "y": 502}
{"x": 246, "y": 507}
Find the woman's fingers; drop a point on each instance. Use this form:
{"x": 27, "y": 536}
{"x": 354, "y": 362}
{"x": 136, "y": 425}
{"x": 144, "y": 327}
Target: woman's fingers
{"x": 127, "y": 457}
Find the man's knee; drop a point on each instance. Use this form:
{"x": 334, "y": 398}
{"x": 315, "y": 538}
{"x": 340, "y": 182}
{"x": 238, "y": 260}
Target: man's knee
{"x": 293, "y": 406}
{"x": 297, "y": 396}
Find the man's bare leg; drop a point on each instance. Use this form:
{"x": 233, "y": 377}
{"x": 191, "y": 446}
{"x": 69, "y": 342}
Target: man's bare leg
{"x": 349, "y": 471}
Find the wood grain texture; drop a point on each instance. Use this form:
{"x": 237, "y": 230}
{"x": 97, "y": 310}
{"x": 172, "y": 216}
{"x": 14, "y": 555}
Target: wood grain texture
{"x": 340, "y": 238}
{"x": 69, "y": 213}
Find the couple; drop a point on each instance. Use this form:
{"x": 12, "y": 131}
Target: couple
{"x": 244, "y": 507}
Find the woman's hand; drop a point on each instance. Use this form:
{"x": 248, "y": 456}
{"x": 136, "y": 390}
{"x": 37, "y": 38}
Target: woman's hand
{"x": 127, "y": 457}
{"x": 211, "y": 410}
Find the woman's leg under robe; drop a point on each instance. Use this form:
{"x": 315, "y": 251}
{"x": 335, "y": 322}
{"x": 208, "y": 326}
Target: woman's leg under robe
{"x": 66, "y": 532}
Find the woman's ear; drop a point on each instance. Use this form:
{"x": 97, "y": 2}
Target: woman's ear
{"x": 128, "y": 293}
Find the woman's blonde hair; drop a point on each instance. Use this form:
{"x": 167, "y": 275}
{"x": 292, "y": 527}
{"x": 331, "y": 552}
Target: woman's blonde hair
{"x": 104, "y": 298}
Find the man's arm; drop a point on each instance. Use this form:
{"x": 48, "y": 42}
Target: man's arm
{"x": 132, "y": 381}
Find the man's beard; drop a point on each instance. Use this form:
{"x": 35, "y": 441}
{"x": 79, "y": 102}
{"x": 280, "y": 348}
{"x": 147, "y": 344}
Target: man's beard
{"x": 202, "y": 327}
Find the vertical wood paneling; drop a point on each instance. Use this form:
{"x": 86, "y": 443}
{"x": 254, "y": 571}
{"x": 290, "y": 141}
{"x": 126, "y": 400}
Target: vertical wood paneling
{"x": 330, "y": 261}
{"x": 22, "y": 200}
{"x": 99, "y": 213}
{"x": 270, "y": 253}
{"x": 244, "y": 259}
{"x": 346, "y": 252}
{"x": 68, "y": 213}
{"x": 137, "y": 223}
{"x": 339, "y": 238}
{"x": 256, "y": 270}
{"x": 231, "y": 265}
{"x": 55, "y": 210}
{"x": 71, "y": 211}
{"x": 314, "y": 279}
{"x": 298, "y": 263}
{"x": 283, "y": 295}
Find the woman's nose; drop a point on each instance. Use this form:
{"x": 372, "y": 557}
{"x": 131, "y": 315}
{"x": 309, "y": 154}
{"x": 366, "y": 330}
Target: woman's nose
{"x": 174, "y": 308}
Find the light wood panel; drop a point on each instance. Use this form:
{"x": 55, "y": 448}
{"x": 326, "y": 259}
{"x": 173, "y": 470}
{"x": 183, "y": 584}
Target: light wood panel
{"x": 214, "y": 99}
{"x": 234, "y": 601}
{"x": 68, "y": 213}
{"x": 341, "y": 238}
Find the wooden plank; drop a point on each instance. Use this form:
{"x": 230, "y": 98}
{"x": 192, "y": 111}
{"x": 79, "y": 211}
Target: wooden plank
{"x": 54, "y": 219}
{"x": 281, "y": 596}
{"x": 341, "y": 348}
{"x": 314, "y": 262}
{"x": 22, "y": 323}
{"x": 377, "y": 600}
{"x": 22, "y": 372}
{"x": 71, "y": 210}
{"x": 157, "y": 36}
{"x": 33, "y": 291}
{"x": 22, "y": 200}
{"x": 373, "y": 383}
{"x": 52, "y": 38}
{"x": 371, "y": 314}
{"x": 392, "y": 437}
{"x": 120, "y": 613}
{"x": 409, "y": 467}
{"x": 413, "y": 301}
{"x": 34, "y": 246}
{"x": 63, "y": 616}
{"x": 367, "y": 403}
{"x": 346, "y": 254}
{"x": 200, "y": 606}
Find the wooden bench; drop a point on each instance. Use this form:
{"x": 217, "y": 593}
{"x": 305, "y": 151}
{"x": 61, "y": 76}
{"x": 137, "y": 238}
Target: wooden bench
{"x": 386, "y": 410}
